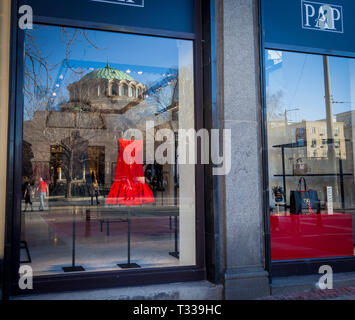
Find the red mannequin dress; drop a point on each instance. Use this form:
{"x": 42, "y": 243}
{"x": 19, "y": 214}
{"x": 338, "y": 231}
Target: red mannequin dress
{"x": 129, "y": 187}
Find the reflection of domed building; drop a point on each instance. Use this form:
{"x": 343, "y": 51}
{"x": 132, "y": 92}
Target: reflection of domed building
{"x": 78, "y": 141}
{"x": 106, "y": 89}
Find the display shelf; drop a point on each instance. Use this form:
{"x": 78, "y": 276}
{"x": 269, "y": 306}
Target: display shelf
{"x": 302, "y": 145}
{"x": 341, "y": 174}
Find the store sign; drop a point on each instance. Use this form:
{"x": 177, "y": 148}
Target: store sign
{"x": 322, "y": 17}
{"x": 133, "y": 3}
{"x": 319, "y": 26}
{"x": 174, "y": 16}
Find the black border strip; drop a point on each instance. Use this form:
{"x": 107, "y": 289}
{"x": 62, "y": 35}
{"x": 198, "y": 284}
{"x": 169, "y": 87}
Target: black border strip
{"x": 113, "y": 279}
{"x": 111, "y": 27}
{"x": 335, "y": 53}
{"x": 7, "y": 273}
{"x": 212, "y": 200}
{"x": 311, "y": 266}
{"x": 265, "y": 156}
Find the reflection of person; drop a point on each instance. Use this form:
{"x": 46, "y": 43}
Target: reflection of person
{"x": 27, "y": 195}
{"x": 43, "y": 189}
{"x": 95, "y": 187}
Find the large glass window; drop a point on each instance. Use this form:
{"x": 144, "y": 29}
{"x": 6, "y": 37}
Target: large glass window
{"x": 310, "y": 113}
{"x": 102, "y": 187}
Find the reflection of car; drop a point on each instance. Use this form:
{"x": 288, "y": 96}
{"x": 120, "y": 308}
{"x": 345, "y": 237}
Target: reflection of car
{"x": 278, "y": 193}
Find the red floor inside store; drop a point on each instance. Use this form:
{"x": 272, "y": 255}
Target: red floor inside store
{"x": 311, "y": 236}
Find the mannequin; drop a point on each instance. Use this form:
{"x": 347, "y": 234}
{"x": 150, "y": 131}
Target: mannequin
{"x": 129, "y": 187}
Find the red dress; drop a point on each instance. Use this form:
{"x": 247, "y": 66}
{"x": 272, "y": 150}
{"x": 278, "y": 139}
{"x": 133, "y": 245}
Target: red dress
{"x": 129, "y": 187}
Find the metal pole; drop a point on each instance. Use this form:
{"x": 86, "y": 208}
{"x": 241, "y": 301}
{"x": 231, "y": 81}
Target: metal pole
{"x": 330, "y": 123}
{"x": 341, "y": 174}
{"x": 74, "y": 235}
{"x": 284, "y": 176}
{"x": 73, "y": 267}
{"x": 329, "y": 109}
{"x": 129, "y": 240}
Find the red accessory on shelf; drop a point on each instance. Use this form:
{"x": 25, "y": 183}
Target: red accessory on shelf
{"x": 129, "y": 187}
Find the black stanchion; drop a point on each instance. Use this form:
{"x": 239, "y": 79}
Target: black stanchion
{"x": 129, "y": 265}
{"x": 176, "y": 253}
{"x": 73, "y": 267}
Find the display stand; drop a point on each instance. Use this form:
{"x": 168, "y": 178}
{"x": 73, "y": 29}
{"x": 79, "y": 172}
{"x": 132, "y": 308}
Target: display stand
{"x": 129, "y": 265}
{"x": 175, "y": 253}
{"x": 341, "y": 174}
{"x": 73, "y": 268}
{"x": 109, "y": 220}
{"x": 24, "y": 245}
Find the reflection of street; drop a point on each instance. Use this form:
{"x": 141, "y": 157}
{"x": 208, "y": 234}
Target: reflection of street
{"x": 59, "y": 202}
{"x": 49, "y": 236}
{"x": 339, "y": 293}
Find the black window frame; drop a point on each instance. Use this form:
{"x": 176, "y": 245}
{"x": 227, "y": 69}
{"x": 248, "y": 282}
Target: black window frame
{"x": 95, "y": 279}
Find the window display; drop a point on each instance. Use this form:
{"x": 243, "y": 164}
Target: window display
{"x": 310, "y": 112}
{"x": 129, "y": 187}
{"x": 96, "y": 190}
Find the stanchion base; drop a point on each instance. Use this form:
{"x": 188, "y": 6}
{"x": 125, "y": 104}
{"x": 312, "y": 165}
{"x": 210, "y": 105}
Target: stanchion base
{"x": 129, "y": 265}
{"x": 175, "y": 254}
{"x": 73, "y": 269}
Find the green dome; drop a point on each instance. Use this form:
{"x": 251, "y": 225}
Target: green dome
{"x": 108, "y": 73}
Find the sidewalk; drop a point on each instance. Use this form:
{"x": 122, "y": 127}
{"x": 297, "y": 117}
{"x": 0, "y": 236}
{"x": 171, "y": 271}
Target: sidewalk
{"x": 345, "y": 293}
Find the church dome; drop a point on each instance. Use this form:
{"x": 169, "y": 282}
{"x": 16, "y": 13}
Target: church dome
{"x": 109, "y": 74}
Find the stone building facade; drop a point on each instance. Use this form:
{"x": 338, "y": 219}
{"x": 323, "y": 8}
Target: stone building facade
{"x": 237, "y": 207}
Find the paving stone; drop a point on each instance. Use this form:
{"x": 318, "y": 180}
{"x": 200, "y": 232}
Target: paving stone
{"x": 347, "y": 293}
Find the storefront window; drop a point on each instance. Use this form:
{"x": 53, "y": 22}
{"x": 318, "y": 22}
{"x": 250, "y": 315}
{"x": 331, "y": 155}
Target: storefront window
{"x": 311, "y": 174}
{"x": 92, "y": 99}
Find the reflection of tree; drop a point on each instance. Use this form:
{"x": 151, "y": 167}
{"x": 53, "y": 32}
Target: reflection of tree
{"x": 75, "y": 158}
{"x": 68, "y": 131}
{"x": 69, "y": 38}
{"x": 38, "y": 70}
{"x": 27, "y": 156}
{"x": 166, "y": 96}
{"x": 38, "y": 98}
{"x": 70, "y": 145}
{"x": 274, "y": 106}
{"x": 56, "y": 160}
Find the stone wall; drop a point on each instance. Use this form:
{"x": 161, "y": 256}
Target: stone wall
{"x": 245, "y": 275}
